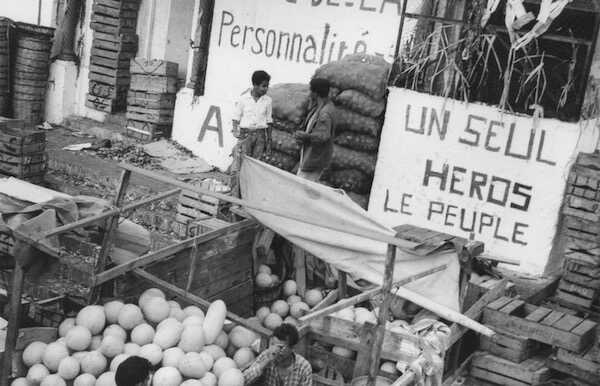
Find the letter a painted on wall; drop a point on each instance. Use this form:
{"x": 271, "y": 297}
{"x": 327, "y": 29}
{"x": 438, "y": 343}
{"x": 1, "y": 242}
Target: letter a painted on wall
{"x": 216, "y": 112}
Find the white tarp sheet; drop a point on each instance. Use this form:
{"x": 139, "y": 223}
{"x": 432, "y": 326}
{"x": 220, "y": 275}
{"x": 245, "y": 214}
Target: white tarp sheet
{"x": 309, "y": 203}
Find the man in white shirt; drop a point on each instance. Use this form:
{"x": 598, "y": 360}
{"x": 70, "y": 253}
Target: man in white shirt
{"x": 252, "y": 119}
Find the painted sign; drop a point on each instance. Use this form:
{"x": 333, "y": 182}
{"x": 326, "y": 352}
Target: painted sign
{"x": 472, "y": 170}
{"x": 289, "y": 39}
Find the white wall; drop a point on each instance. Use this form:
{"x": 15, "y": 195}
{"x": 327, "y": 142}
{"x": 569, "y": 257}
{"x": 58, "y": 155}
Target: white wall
{"x": 27, "y": 10}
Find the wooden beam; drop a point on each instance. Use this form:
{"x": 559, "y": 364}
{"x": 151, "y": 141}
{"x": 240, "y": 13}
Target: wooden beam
{"x": 167, "y": 251}
{"x": 384, "y": 310}
{"x": 327, "y": 301}
{"x": 345, "y": 303}
{"x": 377, "y": 236}
{"x": 342, "y": 284}
{"x": 198, "y": 301}
{"x": 13, "y": 320}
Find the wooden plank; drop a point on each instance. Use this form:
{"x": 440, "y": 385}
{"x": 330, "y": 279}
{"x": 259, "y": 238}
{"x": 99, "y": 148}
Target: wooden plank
{"x": 155, "y": 84}
{"x": 109, "y": 79}
{"x": 299, "y": 259}
{"x": 536, "y": 331}
{"x": 150, "y": 117}
{"x": 21, "y": 252}
{"x": 120, "y": 4}
{"x": 112, "y": 55}
{"x": 508, "y": 346}
{"x": 367, "y": 342}
{"x": 584, "y": 327}
{"x": 499, "y": 303}
{"x": 158, "y": 67}
{"x": 567, "y": 299}
{"x": 151, "y": 101}
{"x": 582, "y": 280}
{"x": 207, "y": 207}
{"x": 117, "y": 47}
{"x": 513, "y": 306}
{"x": 114, "y": 12}
{"x": 198, "y": 301}
{"x": 113, "y": 72}
{"x": 576, "y": 289}
{"x": 539, "y": 314}
{"x": 128, "y": 23}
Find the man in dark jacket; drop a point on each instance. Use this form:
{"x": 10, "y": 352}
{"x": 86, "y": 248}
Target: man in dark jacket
{"x": 317, "y": 138}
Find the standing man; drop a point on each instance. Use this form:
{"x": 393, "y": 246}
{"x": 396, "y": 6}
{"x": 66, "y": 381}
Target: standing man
{"x": 252, "y": 119}
{"x": 317, "y": 138}
{"x": 279, "y": 365}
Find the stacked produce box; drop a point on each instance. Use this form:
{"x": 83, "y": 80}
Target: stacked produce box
{"x": 114, "y": 45}
{"x": 22, "y": 151}
{"x": 31, "y": 71}
{"x": 359, "y": 91}
{"x": 151, "y": 99}
{"x": 4, "y": 65}
{"x": 580, "y": 284}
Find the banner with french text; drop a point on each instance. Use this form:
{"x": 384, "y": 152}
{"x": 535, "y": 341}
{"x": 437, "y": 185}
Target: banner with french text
{"x": 289, "y": 39}
{"x": 474, "y": 171}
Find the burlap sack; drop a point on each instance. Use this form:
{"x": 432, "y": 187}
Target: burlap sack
{"x": 344, "y": 158}
{"x": 347, "y": 120}
{"x": 286, "y": 126}
{"x": 280, "y": 160}
{"x": 284, "y": 142}
{"x": 290, "y": 101}
{"x": 360, "y": 103}
{"x": 350, "y": 180}
{"x": 360, "y": 199}
{"x": 361, "y": 142}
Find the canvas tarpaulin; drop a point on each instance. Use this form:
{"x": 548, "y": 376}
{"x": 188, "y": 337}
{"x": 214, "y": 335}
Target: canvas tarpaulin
{"x": 361, "y": 257}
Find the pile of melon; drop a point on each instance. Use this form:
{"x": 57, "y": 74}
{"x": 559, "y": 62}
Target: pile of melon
{"x": 186, "y": 346}
{"x": 290, "y": 308}
{"x": 265, "y": 278}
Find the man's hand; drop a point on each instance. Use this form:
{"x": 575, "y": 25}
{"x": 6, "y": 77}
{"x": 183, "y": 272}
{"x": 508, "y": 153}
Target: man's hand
{"x": 269, "y": 354}
{"x": 236, "y": 129}
{"x": 300, "y": 136}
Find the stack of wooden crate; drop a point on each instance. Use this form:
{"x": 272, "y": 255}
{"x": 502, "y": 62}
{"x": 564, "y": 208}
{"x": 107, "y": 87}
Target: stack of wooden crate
{"x": 151, "y": 99}
{"x": 580, "y": 284}
{"x": 525, "y": 337}
{"x": 22, "y": 151}
{"x": 115, "y": 44}
{"x": 4, "y": 66}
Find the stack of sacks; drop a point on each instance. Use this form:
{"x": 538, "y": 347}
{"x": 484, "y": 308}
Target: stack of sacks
{"x": 290, "y": 106}
{"x": 359, "y": 91}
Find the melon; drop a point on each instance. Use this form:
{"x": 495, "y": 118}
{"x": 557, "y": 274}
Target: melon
{"x": 172, "y": 356}
{"x": 93, "y": 363}
{"x": 280, "y": 307}
{"x": 263, "y": 280}
{"x": 85, "y": 380}
{"x": 142, "y": 334}
{"x": 275, "y": 279}
{"x": 297, "y": 310}
{"x": 293, "y": 299}
{"x": 116, "y": 331}
{"x": 243, "y": 357}
{"x": 34, "y": 353}
{"x": 209, "y": 380}
{"x": 231, "y": 377}
{"x": 168, "y": 335}
{"x": 177, "y": 313}
{"x": 213, "y": 321}
{"x": 193, "y": 311}
{"x": 24, "y": 382}
{"x": 264, "y": 269}
{"x": 192, "y": 339}
{"x": 62, "y": 341}
{"x": 148, "y": 294}
{"x": 93, "y": 318}
{"x": 222, "y": 340}
{"x": 37, "y": 373}
{"x": 130, "y": 316}
{"x": 111, "y": 310}
{"x": 312, "y": 297}
{"x": 156, "y": 309}
{"x": 345, "y": 313}
{"x": 106, "y": 379}
{"x": 168, "y": 322}
{"x": 114, "y": 364}
{"x": 152, "y": 352}
{"x": 262, "y": 313}
{"x": 389, "y": 367}
{"x": 191, "y": 365}
{"x": 289, "y": 288}
{"x": 65, "y": 326}
{"x": 53, "y": 380}
{"x": 207, "y": 358}
{"x": 272, "y": 321}
{"x": 78, "y": 338}
{"x": 342, "y": 351}
{"x": 242, "y": 337}
{"x": 131, "y": 348}
{"x": 174, "y": 304}
{"x": 228, "y": 325}
{"x": 111, "y": 346}
{"x": 68, "y": 368}
{"x": 167, "y": 376}
{"x": 79, "y": 355}
{"x": 95, "y": 342}
{"x": 192, "y": 382}
{"x": 215, "y": 351}
{"x": 54, "y": 353}
{"x": 193, "y": 320}
{"x": 223, "y": 364}
{"x": 291, "y": 320}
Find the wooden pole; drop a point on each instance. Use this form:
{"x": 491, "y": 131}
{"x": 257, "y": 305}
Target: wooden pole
{"x": 13, "y": 321}
{"x": 383, "y": 314}
{"x": 342, "y": 284}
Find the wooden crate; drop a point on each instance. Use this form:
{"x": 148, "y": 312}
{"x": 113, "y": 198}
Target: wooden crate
{"x": 153, "y": 84}
{"x": 107, "y": 91}
{"x": 19, "y": 136}
{"x": 585, "y": 367}
{"x": 514, "y": 348}
{"x": 574, "y": 293}
{"x": 113, "y": 55}
{"x": 118, "y": 47}
{"x": 143, "y": 114}
{"x": 104, "y": 104}
{"x": 194, "y": 210}
{"x": 22, "y": 149}
{"x": 147, "y": 131}
{"x": 109, "y": 80}
{"x": 151, "y": 101}
{"x": 22, "y": 170}
{"x": 122, "y": 4}
{"x": 155, "y": 67}
{"x": 110, "y": 63}
{"x": 491, "y": 368}
{"x": 8, "y": 123}
{"x": 105, "y": 10}
{"x": 540, "y": 324}
{"x": 113, "y": 72}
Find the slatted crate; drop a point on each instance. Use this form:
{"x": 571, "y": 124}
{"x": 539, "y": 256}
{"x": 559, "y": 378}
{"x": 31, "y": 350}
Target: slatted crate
{"x": 510, "y": 346}
{"x": 491, "y": 369}
{"x": 585, "y": 367}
